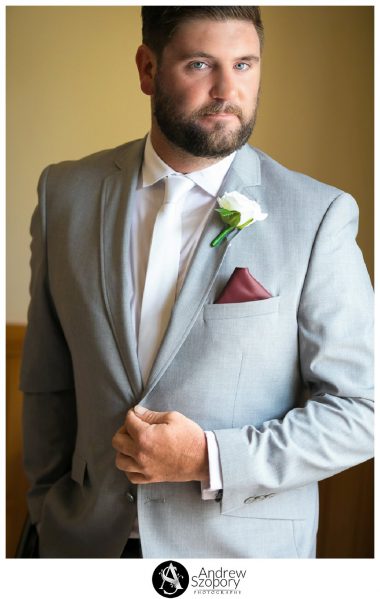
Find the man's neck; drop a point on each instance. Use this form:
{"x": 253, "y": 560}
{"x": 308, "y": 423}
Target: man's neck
{"x": 178, "y": 159}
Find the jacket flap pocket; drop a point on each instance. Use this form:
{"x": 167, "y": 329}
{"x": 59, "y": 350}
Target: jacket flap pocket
{"x": 78, "y": 468}
{"x": 242, "y": 310}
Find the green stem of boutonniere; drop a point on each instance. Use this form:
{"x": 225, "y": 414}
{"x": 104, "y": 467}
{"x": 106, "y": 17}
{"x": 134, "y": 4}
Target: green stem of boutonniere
{"x": 222, "y": 235}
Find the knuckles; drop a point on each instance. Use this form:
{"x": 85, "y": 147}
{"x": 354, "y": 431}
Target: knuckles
{"x": 119, "y": 461}
{"x": 138, "y": 478}
{"x": 116, "y": 441}
{"x": 173, "y": 416}
{"x": 119, "y": 443}
{"x": 144, "y": 443}
{"x": 141, "y": 458}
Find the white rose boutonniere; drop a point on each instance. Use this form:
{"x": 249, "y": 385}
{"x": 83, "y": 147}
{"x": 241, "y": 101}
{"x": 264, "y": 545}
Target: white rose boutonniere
{"x": 236, "y": 211}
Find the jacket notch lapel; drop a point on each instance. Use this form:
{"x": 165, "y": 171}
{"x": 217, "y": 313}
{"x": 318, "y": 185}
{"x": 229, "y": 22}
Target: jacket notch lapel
{"x": 117, "y": 204}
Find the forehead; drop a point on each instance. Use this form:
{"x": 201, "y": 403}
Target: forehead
{"x": 219, "y": 38}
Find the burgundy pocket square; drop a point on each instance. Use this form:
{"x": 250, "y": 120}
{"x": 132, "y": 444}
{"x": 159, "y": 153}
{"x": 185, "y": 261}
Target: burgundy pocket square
{"x": 242, "y": 287}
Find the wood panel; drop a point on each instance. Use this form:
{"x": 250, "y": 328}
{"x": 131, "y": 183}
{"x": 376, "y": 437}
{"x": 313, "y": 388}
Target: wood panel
{"x": 346, "y": 526}
{"x": 16, "y": 508}
{"x": 346, "y": 523}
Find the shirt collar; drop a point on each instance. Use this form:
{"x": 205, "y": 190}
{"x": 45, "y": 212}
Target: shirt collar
{"x": 209, "y": 179}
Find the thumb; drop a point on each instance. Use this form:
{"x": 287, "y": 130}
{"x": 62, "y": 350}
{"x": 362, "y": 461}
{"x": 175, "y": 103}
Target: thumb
{"x": 150, "y": 416}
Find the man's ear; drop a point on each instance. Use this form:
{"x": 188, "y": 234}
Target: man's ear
{"x": 147, "y": 65}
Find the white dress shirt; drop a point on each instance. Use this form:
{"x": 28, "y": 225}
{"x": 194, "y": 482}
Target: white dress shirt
{"x": 199, "y": 202}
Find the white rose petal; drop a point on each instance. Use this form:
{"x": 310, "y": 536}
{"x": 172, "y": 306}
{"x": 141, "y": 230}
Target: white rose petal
{"x": 249, "y": 209}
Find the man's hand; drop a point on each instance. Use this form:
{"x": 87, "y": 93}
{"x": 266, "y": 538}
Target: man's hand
{"x": 157, "y": 447}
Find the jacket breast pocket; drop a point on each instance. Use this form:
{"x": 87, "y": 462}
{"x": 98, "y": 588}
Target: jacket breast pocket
{"x": 241, "y": 310}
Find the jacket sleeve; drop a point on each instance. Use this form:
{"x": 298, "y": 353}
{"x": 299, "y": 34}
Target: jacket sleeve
{"x": 333, "y": 430}
{"x": 49, "y": 413}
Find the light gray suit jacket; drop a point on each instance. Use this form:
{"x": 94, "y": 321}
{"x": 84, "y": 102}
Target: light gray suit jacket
{"x": 285, "y": 383}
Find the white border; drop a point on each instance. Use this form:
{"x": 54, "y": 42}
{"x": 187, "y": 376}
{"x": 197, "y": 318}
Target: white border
{"x": 271, "y": 579}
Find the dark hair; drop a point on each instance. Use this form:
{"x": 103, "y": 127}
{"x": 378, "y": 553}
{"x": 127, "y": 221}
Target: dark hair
{"x": 160, "y": 22}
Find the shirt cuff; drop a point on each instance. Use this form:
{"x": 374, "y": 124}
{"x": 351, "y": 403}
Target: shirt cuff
{"x": 211, "y": 487}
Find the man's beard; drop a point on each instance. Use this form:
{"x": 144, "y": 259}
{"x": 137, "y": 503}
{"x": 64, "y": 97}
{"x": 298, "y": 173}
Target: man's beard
{"x": 184, "y": 131}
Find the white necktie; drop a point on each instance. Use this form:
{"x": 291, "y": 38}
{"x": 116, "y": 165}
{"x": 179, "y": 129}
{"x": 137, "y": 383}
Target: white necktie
{"x": 162, "y": 272}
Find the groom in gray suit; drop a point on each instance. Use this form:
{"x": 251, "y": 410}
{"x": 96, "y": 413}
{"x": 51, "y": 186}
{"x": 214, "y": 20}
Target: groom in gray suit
{"x": 185, "y": 391}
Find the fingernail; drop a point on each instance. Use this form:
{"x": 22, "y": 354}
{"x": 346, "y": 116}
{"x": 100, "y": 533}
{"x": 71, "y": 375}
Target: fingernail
{"x": 140, "y": 410}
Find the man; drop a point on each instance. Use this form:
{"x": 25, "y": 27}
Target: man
{"x": 169, "y": 397}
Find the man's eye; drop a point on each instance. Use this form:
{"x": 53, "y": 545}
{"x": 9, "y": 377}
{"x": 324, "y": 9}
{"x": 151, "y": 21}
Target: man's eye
{"x": 198, "y": 65}
{"x": 242, "y": 66}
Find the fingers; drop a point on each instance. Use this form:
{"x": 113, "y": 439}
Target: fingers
{"x": 123, "y": 443}
{"x": 126, "y": 463}
{"x": 134, "y": 425}
{"x": 128, "y": 450}
{"x": 131, "y": 469}
{"x": 138, "y": 479}
{"x": 129, "y": 457}
{"x": 150, "y": 416}
{"x": 138, "y": 419}
{"x": 143, "y": 448}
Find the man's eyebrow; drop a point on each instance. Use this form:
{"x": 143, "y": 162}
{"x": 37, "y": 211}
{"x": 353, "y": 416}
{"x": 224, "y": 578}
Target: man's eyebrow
{"x": 201, "y": 54}
{"x": 248, "y": 58}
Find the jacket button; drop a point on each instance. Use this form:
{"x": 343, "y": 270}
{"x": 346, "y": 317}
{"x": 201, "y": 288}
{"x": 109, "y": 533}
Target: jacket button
{"x": 130, "y": 498}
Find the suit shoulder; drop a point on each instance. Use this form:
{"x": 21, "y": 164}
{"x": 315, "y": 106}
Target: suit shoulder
{"x": 92, "y": 168}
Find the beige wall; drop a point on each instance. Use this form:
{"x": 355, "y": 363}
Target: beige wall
{"x": 72, "y": 89}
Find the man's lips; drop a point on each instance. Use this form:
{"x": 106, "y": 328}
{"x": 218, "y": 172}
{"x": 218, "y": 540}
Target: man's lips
{"x": 220, "y": 115}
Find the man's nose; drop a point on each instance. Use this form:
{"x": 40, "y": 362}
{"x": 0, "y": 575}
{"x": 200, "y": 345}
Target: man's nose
{"x": 224, "y": 86}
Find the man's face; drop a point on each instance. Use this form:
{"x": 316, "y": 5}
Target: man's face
{"x": 206, "y": 86}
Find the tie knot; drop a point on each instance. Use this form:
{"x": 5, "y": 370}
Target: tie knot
{"x": 176, "y": 187}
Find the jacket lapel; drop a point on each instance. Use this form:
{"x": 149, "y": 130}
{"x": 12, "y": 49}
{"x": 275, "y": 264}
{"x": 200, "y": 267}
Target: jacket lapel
{"x": 206, "y": 263}
{"x": 117, "y": 205}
